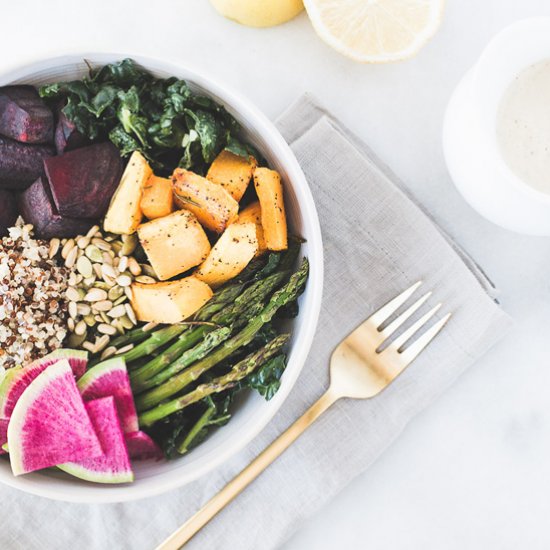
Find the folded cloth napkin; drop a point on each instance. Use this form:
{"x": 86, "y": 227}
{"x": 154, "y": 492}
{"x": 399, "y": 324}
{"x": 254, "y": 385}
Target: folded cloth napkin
{"x": 377, "y": 243}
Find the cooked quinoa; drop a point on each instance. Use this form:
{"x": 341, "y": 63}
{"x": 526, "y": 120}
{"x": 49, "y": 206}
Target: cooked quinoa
{"x": 33, "y": 307}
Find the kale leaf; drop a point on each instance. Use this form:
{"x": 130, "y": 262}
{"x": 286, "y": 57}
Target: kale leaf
{"x": 162, "y": 118}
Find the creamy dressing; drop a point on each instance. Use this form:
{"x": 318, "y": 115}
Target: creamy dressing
{"x": 523, "y": 126}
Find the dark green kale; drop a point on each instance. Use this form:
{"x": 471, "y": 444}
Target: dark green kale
{"x": 162, "y": 118}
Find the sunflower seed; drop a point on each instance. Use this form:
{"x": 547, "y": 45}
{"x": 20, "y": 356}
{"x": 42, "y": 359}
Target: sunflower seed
{"x": 96, "y": 295}
{"x": 130, "y": 313}
{"x": 88, "y": 346}
{"x": 133, "y": 266}
{"x": 54, "y": 247}
{"x": 101, "y": 343}
{"x": 125, "y": 349}
{"x": 92, "y": 231}
{"x": 80, "y": 328}
{"x": 149, "y": 326}
{"x": 102, "y": 285}
{"x": 104, "y": 305}
{"x": 71, "y": 256}
{"x": 73, "y": 310}
{"x": 108, "y": 271}
{"x": 117, "y": 311}
{"x": 106, "y": 329}
{"x": 70, "y": 324}
{"x": 148, "y": 270}
{"x": 108, "y": 352}
{"x": 103, "y": 317}
{"x": 101, "y": 244}
{"x": 107, "y": 259}
{"x": 67, "y": 247}
{"x": 124, "y": 280}
{"x": 84, "y": 267}
{"x": 73, "y": 294}
{"x": 123, "y": 263}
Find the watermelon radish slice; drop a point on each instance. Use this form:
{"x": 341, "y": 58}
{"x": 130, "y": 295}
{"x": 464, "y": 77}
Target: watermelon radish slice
{"x": 17, "y": 379}
{"x": 111, "y": 378}
{"x": 3, "y": 435}
{"x": 114, "y": 466}
{"x": 49, "y": 424}
{"x": 142, "y": 447}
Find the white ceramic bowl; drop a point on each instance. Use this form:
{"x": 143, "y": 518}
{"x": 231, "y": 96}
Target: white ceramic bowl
{"x": 252, "y": 412}
{"x": 473, "y": 158}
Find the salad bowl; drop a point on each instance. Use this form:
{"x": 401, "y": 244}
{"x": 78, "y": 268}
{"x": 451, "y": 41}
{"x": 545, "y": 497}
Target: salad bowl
{"x": 251, "y": 412}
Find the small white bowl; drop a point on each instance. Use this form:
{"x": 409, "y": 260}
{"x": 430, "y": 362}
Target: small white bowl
{"x": 470, "y": 146}
{"x": 252, "y": 412}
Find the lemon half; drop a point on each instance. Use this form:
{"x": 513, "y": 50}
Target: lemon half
{"x": 375, "y": 31}
{"x": 259, "y": 13}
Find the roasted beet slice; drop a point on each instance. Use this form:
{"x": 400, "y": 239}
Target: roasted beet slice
{"x": 67, "y": 137}
{"x": 8, "y": 211}
{"x": 83, "y": 181}
{"x": 37, "y": 207}
{"x": 21, "y": 164}
{"x": 24, "y": 116}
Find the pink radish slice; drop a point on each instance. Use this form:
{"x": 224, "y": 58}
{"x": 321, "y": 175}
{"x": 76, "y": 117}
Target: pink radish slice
{"x": 111, "y": 378}
{"x": 114, "y": 465}
{"x": 49, "y": 424}
{"x": 17, "y": 379}
{"x": 142, "y": 447}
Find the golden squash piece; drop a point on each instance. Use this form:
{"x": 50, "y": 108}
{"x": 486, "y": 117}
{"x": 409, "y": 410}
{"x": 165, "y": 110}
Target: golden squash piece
{"x": 169, "y": 302}
{"x": 253, "y": 214}
{"x": 230, "y": 255}
{"x": 174, "y": 243}
{"x": 124, "y": 214}
{"x": 214, "y": 207}
{"x": 270, "y": 192}
{"x": 157, "y": 200}
{"x": 232, "y": 172}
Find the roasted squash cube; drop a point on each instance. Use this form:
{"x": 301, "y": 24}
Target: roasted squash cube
{"x": 232, "y": 172}
{"x": 124, "y": 214}
{"x": 230, "y": 255}
{"x": 270, "y": 193}
{"x": 174, "y": 243}
{"x": 253, "y": 214}
{"x": 214, "y": 207}
{"x": 169, "y": 302}
{"x": 157, "y": 200}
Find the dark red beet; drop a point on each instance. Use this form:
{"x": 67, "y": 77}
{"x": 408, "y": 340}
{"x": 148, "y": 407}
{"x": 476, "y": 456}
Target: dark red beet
{"x": 37, "y": 207}
{"x": 8, "y": 212}
{"x": 21, "y": 164}
{"x": 24, "y": 116}
{"x": 67, "y": 137}
{"x": 83, "y": 181}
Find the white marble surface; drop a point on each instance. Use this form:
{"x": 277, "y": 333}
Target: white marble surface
{"x": 473, "y": 471}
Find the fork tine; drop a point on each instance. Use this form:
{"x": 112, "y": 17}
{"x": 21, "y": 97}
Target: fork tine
{"x": 385, "y": 312}
{"x": 411, "y": 353}
{"x": 412, "y": 330}
{"x": 396, "y": 323}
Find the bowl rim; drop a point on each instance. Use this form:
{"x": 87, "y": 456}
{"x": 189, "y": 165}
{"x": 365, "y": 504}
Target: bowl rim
{"x": 95, "y": 493}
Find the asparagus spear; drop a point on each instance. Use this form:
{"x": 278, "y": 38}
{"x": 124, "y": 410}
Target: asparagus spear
{"x": 141, "y": 379}
{"x": 238, "y": 312}
{"x": 217, "y": 385}
{"x": 286, "y": 294}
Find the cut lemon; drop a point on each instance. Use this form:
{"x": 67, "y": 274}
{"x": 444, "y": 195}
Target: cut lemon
{"x": 375, "y": 31}
{"x": 259, "y": 13}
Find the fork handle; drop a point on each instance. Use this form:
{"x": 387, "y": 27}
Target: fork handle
{"x": 194, "y": 524}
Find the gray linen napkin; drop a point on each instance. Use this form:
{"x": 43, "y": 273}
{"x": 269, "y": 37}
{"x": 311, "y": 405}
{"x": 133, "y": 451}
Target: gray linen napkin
{"x": 377, "y": 242}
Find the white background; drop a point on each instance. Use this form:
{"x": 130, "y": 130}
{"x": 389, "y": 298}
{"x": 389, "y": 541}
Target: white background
{"x": 473, "y": 471}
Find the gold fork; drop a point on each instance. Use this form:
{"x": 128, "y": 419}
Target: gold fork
{"x": 362, "y": 365}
